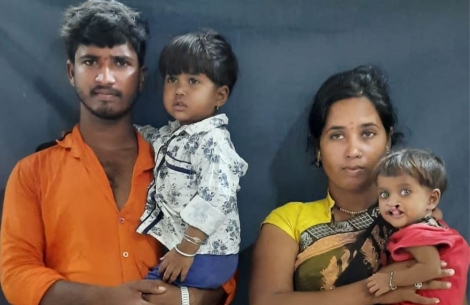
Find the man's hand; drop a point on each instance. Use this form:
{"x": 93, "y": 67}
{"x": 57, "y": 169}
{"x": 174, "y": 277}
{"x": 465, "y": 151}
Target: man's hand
{"x": 379, "y": 283}
{"x": 130, "y": 293}
{"x": 172, "y": 296}
{"x": 174, "y": 265}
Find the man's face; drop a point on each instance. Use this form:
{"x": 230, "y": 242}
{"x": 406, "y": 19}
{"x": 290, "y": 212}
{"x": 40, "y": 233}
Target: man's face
{"x": 107, "y": 80}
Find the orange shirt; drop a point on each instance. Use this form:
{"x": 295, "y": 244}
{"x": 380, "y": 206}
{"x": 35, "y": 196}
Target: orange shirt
{"x": 60, "y": 222}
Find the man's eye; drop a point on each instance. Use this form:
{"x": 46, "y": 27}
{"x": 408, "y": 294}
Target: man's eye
{"x": 121, "y": 63}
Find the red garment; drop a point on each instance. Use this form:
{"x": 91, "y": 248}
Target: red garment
{"x": 453, "y": 249}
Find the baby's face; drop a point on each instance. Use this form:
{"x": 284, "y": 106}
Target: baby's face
{"x": 190, "y": 98}
{"x": 403, "y": 200}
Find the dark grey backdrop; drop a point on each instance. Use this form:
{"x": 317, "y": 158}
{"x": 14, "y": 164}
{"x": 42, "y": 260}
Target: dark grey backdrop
{"x": 286, "y": 49}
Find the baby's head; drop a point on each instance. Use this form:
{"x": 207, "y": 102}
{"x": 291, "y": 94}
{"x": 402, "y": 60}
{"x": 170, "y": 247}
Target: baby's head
{"x": 410, "y": 183}
{"x": 200, "y": 71}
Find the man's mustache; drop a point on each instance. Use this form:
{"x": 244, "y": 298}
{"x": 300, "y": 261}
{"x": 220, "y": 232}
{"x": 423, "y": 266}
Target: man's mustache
{"x": 105, "y": 90}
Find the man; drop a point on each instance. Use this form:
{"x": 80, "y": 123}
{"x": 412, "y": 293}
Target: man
{"x": 71, "y": 210}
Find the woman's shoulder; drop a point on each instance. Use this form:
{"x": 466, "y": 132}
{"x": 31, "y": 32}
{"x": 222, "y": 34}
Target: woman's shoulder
{"x": 295, "y": 217}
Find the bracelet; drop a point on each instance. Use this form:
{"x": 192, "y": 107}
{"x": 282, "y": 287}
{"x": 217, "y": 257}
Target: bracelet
{"x": 183, "y": 253}
{"x": 184, "y": 295}
{"x": 191, "y": 241}
{"x": 390, "y": 283}
{"x": 194, "y": 240}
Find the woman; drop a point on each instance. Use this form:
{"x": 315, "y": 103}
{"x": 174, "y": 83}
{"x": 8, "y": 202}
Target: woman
{"x": 306, "y": 249}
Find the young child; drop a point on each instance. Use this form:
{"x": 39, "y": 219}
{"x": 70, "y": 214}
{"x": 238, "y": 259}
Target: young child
{"x": 192, "y": 202}
{"x": 410, "y": 184}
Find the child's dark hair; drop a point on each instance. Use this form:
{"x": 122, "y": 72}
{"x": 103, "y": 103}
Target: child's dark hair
{"x": 362, "y": 81}
{"x": 201, "y": 53}
{"x": 104, "y": 23}
{"x": 422, "y": 165}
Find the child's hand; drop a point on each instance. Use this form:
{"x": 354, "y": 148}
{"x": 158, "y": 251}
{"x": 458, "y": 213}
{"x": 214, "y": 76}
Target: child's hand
{"x": 174, "y": 265}
{"x": 379, "y": 283}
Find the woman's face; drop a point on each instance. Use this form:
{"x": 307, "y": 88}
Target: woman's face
{"x": 352, "y": 142}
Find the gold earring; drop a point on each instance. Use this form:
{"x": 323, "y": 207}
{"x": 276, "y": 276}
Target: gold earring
{"x": 317, "y": 162}
{"x": 387, "y": 149}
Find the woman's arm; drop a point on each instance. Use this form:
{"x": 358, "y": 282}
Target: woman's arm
{"x": 273, "y": 270}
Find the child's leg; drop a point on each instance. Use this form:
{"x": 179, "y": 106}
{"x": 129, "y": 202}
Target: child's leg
{"x": 206, "y": 272}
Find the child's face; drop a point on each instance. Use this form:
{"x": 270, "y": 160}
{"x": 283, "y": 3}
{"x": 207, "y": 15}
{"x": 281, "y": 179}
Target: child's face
{"x": 191, "y": 98}
{"x": 403, "y": 200}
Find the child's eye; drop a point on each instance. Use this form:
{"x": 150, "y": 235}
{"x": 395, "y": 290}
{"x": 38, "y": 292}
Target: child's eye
{"x": 383, "y": 195}
{"x": 170, "y": 79}
{"x": 193, "y": 81}
{"x": 405, "y": 192}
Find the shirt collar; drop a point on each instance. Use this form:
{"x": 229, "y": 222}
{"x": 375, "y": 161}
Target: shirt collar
{"x": 77, "y": 146}
{"x": 201, "y": 126}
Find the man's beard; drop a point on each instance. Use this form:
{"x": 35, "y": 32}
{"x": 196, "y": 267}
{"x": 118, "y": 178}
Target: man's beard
{"x": 105, "y": 113}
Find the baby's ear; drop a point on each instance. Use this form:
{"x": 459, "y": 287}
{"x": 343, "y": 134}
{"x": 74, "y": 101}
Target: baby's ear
{"x": 434, "y": 198}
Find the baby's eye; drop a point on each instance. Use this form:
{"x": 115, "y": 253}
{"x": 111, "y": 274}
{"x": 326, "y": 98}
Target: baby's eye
{"x": 405, "y": 192}
{"x": 383, "y": 195}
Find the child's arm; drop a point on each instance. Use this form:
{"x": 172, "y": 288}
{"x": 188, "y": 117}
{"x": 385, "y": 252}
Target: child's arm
{"x": 217, "y": 169}
{"x": 176, "y": 262}
{"x": 148, "y": 132}
{"x": 427, "y": 267}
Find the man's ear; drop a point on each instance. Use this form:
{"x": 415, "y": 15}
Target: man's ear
{"x": 71, "y": 72}
{"x": 143, "y": 76}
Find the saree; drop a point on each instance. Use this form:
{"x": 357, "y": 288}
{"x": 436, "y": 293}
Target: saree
{"x": 340, "y": 253}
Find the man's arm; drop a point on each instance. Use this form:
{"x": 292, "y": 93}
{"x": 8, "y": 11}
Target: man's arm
{"x": 172, "y": 295}
{"x": 70, "y": 293}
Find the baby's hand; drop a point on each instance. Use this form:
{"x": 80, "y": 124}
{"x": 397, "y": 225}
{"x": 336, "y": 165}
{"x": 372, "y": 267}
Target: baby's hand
{"x": 379, "y": 283}
{"x": 174, "y": 265}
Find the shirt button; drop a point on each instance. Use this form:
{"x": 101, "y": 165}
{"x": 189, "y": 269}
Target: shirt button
{"x": 125, "y": 254}
{"x": 121, "y": 220}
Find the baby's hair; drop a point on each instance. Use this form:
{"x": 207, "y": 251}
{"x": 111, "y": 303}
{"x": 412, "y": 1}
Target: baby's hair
{"x": 422, "y": 165}
{"x": 206, "y": 53}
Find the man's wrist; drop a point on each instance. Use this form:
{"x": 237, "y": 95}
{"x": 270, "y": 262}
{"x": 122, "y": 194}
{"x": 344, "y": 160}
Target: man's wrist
{"x": 207, "y": 296}
{"x": 97, "y": 295}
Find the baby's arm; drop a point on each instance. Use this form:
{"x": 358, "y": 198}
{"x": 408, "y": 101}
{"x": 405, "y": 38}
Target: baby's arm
{"x": 177, "y": 262}
{"x": 148, "y": 132}
{"x": 427, "y": 267}
{"x": 217, "y": 169}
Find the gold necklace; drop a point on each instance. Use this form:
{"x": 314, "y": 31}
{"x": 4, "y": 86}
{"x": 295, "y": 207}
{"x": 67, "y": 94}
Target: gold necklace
{"x": 352, "y": 213}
